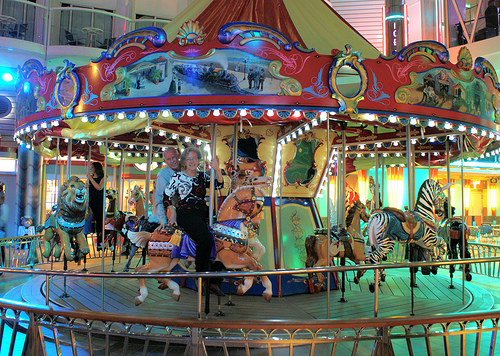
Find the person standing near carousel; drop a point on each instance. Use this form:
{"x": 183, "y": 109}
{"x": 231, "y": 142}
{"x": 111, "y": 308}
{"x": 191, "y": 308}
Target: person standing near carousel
{"x": 189, "y": 185}
{"x": 95, "y": 185}
{"x": 171, "y": 158}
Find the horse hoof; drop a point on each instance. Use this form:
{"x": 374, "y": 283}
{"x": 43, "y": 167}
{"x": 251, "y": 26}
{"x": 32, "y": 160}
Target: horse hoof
{"x": 137, "y": 301}
{"x": 125, "y": 269}
{"x": 382, "y": 278}
{"x": 163, "y": 286}
{"x": 468, "y": 277}
{"x": 372, "y": 287}
{"x": 176, "y": 297}
{"x": 239, "y": 291}
{"x": 356, "y": 280}
{"x": 434, "y": 270}
{"x": 267, "y": 296}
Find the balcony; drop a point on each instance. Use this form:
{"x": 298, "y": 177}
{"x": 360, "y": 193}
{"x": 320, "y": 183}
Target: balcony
{"x": 53, "y": 32}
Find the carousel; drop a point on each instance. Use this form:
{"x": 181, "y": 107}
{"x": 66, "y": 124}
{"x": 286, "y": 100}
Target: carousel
{"x": 296, "y": 104}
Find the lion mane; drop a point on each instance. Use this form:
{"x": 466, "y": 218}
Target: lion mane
{"x": 72, "y": 204}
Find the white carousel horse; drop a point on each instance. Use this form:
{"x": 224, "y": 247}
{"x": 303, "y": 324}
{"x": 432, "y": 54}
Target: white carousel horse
{"x": 419, "y": 226}
{"x": 353, "y": 247}
{"x": 238, "y": 215}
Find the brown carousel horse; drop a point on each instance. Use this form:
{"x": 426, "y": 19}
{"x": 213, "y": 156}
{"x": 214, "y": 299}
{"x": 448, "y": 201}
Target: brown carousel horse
{"x": 353, "y": 247}
{"x": 238, "y": 218}
{"x": 136, "y": 198}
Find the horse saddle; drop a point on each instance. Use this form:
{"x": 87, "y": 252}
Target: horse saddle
{"x": 163, "y": 242}
{"x": 221, "y": 244}
{"x": 407, "y": 218}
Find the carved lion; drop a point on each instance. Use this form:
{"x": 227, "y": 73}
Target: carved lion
{"x": 68, "y": 220}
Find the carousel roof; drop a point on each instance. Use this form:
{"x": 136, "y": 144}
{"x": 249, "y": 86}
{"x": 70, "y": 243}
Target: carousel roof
{"x": 231, "y": 62}
{"x": 312, "y": 24}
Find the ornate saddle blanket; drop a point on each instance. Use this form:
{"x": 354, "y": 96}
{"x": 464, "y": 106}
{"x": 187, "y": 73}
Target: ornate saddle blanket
{"x": 411, "y": 229}
{"x": 229, "y": 230}
{"x": 174, "y": 243}
{"x": 237, "y": 248}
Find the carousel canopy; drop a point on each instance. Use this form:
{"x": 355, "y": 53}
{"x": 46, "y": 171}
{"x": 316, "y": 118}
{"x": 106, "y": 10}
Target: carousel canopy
{"x": 312, "y": 24}
{"x": 288, "y": 66}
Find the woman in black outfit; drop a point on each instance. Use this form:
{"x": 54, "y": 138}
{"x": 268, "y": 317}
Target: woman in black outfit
{"x": 192, "y": 212}
{"x": 95, "y": 185}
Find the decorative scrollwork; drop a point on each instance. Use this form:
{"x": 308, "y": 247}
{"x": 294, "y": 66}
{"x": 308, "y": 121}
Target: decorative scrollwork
{"x": 289, "y": 86}
{"x": 109, "y": 91}
{"x": 429, "y": 49}
{"x": 67, "y": 89}
{"x": 402, "y": 94}
{"x": 191, "y": 33}
{"x": 136, "y": 39}
{"x": 352, "y": 60}
{"x": 482, "y": 65}
{"x": 464, "y": 59}
{"x": 250, "y": 31}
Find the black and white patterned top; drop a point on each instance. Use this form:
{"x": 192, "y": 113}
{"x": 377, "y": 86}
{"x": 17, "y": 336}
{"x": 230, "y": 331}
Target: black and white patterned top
{"x": 190, "y": 190}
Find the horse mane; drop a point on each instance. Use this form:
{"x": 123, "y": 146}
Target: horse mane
{"x": 350, "y": 215}
{"x": 430, "y": 185}
{"x": 258, "y": 192}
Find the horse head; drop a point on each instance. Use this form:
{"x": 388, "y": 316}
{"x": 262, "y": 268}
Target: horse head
{"x": 431, "y": 198}
{"x": 135, "y": 195}
{"x": 244, "y": 203}
{"x": 357, "y": 209}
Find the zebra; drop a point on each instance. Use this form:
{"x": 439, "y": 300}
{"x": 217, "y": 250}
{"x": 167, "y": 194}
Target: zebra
{"x": 391, "y": 225}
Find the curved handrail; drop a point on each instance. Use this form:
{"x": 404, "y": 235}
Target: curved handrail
{"x": 189, "y": 274}
{"x": 228, "y": 323}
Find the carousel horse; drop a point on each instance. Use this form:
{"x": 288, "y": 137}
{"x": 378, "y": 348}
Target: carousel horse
{"x": 139, "y": 232}
{"x": 419, "y": 227}
{"x": 115, "y": 219}
{"x": 64, "y": 226}
{"x": 239, "y": 216}
{"x": 451, "y": 231}
{"x": 352, "y": 247}
{"x": 136, "y": 236}
{"x": 136, "y": 198}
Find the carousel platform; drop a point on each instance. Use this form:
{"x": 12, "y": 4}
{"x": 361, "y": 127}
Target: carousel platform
{"x": 432, "y": 296}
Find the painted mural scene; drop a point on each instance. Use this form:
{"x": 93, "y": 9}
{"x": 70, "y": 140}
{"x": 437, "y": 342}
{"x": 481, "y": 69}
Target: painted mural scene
{"x": 245, "y": 179}
{"x": 224, "y": 72}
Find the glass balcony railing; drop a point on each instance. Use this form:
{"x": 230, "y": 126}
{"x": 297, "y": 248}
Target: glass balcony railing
{"x": 477, "y": 23}
{"x": 23, "y": 20}
{"x": 66, "y": 26}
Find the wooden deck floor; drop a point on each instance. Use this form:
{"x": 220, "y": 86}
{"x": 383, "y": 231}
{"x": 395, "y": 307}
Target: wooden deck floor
{"x": 431, "y": 297}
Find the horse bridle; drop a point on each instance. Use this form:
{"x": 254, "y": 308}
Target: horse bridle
{"x": 246, "y": 206}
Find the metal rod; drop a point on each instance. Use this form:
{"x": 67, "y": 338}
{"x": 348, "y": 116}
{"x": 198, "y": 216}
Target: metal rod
{"x": 375, "y": 199}
{"x": 410, "y": 205}
{"x": 70, "y": 152}
{"x": 148, "y": 171}
{"x": 328, "y": 223}
{"x": 464, "y": 216}
{"x": 375, "y": 299}
{"x": 104, "y": 217}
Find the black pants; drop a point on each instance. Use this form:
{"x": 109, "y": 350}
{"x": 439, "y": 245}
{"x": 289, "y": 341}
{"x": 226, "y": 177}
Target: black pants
{"x": 97, "y": 217}
{"x": 193, "y": 219}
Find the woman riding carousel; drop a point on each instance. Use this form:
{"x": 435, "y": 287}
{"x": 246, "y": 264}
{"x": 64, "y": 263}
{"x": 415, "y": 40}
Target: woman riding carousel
{"x": 189, "y": 185}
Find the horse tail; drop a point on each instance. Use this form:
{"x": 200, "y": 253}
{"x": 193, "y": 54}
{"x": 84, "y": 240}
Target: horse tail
{"x": 312, "y": 256}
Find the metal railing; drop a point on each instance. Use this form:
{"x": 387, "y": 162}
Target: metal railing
{"x": 26, "y": 251}
{"x": 54, "y": 330}
{"x": 481, "y": 250}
